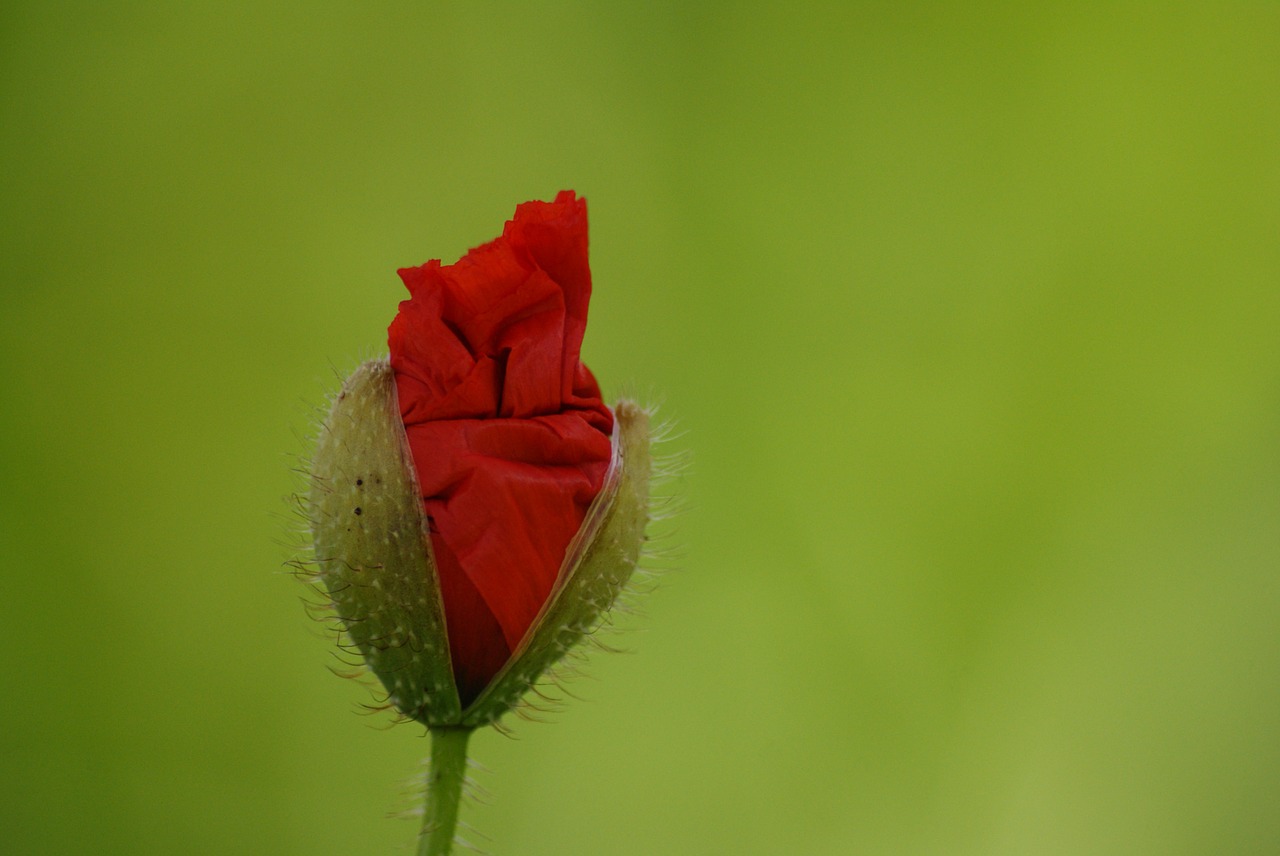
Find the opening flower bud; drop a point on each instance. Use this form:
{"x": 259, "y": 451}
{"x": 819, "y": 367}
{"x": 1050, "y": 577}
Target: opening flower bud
{"x": 475, "y": 506}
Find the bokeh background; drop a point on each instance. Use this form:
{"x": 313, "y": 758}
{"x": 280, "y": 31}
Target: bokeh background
{"x": 968, "y": 313}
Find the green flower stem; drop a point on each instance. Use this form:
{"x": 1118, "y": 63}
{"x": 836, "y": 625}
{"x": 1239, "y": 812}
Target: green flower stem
{"x": 444, "y": 790}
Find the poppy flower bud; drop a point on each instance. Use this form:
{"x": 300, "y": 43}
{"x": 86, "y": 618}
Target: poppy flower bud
{"x": 475, "y": 506}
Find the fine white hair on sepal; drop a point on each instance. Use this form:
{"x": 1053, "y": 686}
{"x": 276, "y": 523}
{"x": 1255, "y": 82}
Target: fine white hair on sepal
{"x": 307, "y": 565}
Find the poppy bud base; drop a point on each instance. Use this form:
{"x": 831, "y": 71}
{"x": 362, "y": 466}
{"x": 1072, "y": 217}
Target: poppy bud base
{"x": 373, "y": 548}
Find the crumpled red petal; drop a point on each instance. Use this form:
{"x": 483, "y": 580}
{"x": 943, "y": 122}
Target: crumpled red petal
{"x": 509, "y": 435}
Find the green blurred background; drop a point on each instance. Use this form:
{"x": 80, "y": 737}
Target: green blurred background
{"x": 968, "y": 313}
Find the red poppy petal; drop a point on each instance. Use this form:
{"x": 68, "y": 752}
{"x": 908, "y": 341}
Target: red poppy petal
{"x": 476, "y": 643}
{"x": 509, "y": 435}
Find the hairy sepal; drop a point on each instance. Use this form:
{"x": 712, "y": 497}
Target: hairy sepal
{"x": 598, "y": 563}
{"x": 373, "y": 548}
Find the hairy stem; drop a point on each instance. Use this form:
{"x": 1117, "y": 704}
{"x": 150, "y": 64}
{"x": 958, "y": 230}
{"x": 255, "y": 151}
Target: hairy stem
{"x": 444, "y": 790}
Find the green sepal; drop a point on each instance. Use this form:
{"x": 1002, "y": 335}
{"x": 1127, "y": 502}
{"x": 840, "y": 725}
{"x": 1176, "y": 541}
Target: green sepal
{"x": 373, "y": 549}
{"x": 598, "y": 563}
